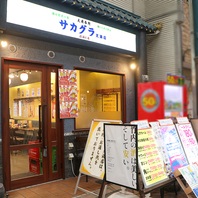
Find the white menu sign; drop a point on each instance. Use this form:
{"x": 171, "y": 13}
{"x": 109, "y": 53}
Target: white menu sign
{"x": 121, "y": 155}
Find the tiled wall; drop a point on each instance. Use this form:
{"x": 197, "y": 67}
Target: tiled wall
{"x": 70, "y": 138}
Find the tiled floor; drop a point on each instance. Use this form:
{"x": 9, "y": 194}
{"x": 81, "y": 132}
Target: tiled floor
{"x": 65, "y": 189}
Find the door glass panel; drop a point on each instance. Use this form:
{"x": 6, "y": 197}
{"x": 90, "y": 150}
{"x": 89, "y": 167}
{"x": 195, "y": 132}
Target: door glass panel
{"x": 24, "y": 101}
{"x": 53, "y": 105}
{"x": 54, "y": 159}
{"x": 26, "y": 163}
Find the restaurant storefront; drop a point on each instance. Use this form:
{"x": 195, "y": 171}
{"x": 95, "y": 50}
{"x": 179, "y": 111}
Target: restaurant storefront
{"x": 43, "y": 39}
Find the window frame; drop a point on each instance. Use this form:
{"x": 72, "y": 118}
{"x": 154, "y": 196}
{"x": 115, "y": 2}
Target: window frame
{"x": 122, "y": 93}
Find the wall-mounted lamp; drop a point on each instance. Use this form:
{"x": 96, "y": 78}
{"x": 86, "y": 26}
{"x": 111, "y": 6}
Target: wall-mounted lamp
{"x": 133, "y": 66}
{"x": 9, "y": 81}
{"x": 4, "y": 43}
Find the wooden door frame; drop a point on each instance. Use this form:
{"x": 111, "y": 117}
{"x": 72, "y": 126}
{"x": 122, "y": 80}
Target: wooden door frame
{"x": 5, "y": 121}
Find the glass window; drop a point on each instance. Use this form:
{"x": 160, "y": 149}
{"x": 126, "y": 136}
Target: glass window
{"x": 99, "y": 97}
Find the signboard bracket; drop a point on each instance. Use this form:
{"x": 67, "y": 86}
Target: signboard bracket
{"x": 143, "y": 191}
{"x": 188, "y": 189}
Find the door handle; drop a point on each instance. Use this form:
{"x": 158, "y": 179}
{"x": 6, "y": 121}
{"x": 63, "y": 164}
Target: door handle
{"x": 40, "y": 110}
{"x": 43, "y": 127}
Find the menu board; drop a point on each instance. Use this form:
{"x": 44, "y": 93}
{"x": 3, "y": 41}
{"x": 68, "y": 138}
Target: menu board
{"x": 93, "y": 158}
{"x": 68, "y": 93}
{"x": 188, "y": 141}
{"x": 121, "y": 154}
{"x": 142, "y": 124}
{"x": 173, "y": 147}
{"x": 194, "y": 123}
{"x": 109, "y": 102}
{"x": 150, "y": 162}
{"x": 159, "y": 140}
{"x": 190, "y": 174}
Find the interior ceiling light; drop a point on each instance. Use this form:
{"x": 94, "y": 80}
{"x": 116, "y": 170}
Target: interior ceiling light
{"x": 11, "y": 76}
{"x": 24, "y": 76}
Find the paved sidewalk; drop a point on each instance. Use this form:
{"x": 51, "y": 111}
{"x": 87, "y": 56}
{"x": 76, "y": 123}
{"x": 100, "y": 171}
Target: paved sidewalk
{"x": 65, "y": 189}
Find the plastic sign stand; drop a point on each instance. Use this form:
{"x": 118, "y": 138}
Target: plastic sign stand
{"x": 123, "y": 194}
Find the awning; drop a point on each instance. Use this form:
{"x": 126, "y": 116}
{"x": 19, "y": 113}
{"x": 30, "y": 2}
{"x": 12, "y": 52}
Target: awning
{"x": 112, "y": 12}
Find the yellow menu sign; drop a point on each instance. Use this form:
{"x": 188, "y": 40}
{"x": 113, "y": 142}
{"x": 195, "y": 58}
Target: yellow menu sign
{"x": 109, "y": 102}
{"x": 150, "y": 162}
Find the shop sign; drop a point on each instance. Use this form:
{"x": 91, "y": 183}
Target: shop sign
{"x": 175, "y": 80}
{"x": 31, "y": 15}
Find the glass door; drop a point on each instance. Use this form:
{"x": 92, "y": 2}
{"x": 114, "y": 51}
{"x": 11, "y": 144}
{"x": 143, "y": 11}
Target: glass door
{"x": 31, "y": 127}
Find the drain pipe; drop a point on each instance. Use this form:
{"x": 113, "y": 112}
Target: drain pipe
{"x": 193, "y": 66}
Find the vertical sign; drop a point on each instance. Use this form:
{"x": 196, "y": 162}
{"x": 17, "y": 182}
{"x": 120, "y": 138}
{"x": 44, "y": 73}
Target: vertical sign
{"x": 121, "y": 155}
{"x": 150, "y": 162}
{"x": 93, "y": 158}
{"x": 160, "y": 143}
{"x": 189, "y": 141}
{"x": 68, "y": 93}
{"x": 173, "y": 147}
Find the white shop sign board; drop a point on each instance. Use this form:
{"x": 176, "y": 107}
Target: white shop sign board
{"x": 38, "y": 17}
{"x": 121, "y": 153}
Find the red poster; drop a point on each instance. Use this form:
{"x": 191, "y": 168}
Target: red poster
{"x": 68, "y": 93}
{"x": 68, "y": 109}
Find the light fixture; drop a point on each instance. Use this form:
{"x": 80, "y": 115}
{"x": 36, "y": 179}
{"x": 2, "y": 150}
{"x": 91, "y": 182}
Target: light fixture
{"x": 133, "y": 66}
{"x": 11, "y": 76}
{"x": 24, "y": 76}
{"x": 4, "y": 43}
{"x": 88, "y": 91}
{"x": 17, "y": 75}
{"x": 9, "y": 81}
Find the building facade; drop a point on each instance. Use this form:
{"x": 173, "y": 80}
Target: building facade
{"x": 35, "y": 141}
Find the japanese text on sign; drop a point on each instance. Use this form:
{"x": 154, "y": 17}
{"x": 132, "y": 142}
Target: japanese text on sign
{"x": 121, "y": 154}
{"x": 151, "y": 164}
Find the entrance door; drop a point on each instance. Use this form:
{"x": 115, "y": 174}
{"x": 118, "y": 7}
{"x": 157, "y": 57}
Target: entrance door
{"x": 31, "y": 130}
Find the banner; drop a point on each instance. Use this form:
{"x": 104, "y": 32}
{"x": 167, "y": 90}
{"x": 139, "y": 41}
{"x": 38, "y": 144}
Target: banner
{"x": 68, "y": 93}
